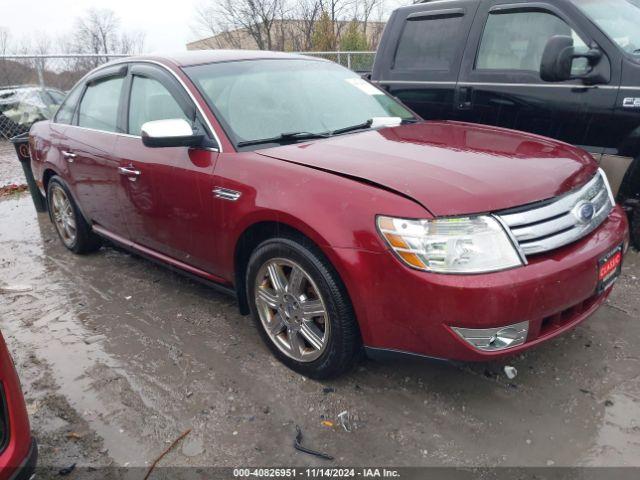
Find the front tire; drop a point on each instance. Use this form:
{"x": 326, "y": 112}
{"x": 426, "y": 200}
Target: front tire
{"x": 74, "y": 232}
{"x": 301, "y": 308}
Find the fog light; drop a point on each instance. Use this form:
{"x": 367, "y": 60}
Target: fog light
{"x": 494, "y": 339}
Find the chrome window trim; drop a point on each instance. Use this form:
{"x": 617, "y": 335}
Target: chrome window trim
{"x": 180, "y": 81}
{"x": 499, "y": 84}
{"x": 417, "y": 82}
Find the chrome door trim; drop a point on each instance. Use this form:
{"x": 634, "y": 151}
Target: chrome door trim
{"x": 226, "y": 194}
{"x": 499, "y": 84}
{"x": 537, "y": 85}
{"x": 69, "y": 157}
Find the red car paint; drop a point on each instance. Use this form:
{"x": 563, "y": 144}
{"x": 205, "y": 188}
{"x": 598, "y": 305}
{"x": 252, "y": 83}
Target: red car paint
{"x": 331, "y": 190}
{"x": 18, "y": 454}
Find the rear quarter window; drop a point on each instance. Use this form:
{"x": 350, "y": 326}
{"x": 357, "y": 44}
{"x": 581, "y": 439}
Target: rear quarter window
{"x": 68, "y": 107}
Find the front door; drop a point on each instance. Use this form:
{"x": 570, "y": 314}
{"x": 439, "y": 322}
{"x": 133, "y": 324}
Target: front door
{"x": 500, "y": 82}
{"x": 90, "y": 142}
{"x": 169, "y": 196}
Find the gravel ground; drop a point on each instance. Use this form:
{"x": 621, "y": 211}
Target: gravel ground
{"x": 119, "y": 356}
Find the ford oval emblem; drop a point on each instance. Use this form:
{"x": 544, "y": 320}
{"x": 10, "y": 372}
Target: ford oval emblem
{"x": 585, "y": 212}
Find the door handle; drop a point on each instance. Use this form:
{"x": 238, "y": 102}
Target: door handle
{"x": 464, "y": 99}
{"x": 70, "y": 157}
{"x": 130, "y": 172}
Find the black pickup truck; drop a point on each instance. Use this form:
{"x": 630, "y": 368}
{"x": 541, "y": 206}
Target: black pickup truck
{"x": 566, "y": 69}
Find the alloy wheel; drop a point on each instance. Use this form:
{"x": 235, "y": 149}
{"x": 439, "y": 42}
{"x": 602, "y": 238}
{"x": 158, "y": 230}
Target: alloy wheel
{"x": 292, "y": 310}
{"x": 63, "y": 216}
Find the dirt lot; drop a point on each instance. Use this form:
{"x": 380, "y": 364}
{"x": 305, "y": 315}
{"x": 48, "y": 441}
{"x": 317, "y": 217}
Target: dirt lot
{"x": 119, "y": 356}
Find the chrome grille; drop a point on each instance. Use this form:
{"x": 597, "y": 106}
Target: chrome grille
{"x": 559, "y": 222}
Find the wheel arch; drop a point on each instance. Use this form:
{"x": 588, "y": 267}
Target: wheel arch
{"x": 630, "y": 187}
{"x": 259, "y": 231}
{"x": 47, "y": 175}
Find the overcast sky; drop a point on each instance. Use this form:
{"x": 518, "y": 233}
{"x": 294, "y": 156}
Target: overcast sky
{"x": 166, "y": 23}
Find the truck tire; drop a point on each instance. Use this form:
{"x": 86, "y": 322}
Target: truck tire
{"x": 634, "y": 219}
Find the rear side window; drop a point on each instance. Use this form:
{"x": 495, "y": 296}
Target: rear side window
{"x": 99, "y": 106}
{"x": 150, "y": 100}
{"x": 428, "y": 43}
{"x": 516, "y": 41}
{"x": 65, "y": 112}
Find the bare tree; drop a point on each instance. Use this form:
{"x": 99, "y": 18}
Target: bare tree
{"x": 364, "y": 11}
{"x": 131, "y": 42}
{"x": 306, "y": 14}
{"x": 99, "y": 32}
{"x": 286, "y": 24}
{"x": 257, "y": 18}
{"x": 4, "y": 41}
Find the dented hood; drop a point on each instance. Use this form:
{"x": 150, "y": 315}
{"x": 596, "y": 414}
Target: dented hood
{"x": 450, "y": 168}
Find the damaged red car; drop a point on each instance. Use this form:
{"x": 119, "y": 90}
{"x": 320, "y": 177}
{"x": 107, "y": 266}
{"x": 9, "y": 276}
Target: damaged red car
{"x": 18, "y": 450}
{"x": 338, "y": 218}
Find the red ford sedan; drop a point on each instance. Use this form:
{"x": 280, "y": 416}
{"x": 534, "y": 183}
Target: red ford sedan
{"x": 18, "y": 451}
{"x": 338, "y": 218}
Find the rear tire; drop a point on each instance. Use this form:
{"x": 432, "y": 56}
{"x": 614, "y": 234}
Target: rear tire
{"x": 305, "y": 316}
{"x": 74, "y": 232}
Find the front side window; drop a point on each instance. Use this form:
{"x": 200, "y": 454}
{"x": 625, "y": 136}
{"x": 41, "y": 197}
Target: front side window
{"x": 428, "y": 44}
{"x": 99, "y": 106}
{"x": 67, "y": 109}
{"x": 619, "y": 19}
{"x": 516, "y": 41}
{"x": 150, "y": 100}
{"x": 260, "y": 99}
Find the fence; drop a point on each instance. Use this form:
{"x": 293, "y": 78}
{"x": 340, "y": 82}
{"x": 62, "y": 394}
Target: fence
{"x": 45, "y": 78}
{"x": 62, "y": 71}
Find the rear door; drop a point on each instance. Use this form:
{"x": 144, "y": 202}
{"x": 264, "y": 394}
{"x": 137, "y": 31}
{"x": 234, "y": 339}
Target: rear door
{"x": 500, "y": 81}
{"x": 421, "y": 53}
{"x": 90, "y": 142}
{"x": 168, "y": 199}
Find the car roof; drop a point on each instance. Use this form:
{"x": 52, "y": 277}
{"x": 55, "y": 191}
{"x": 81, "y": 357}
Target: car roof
{"x": 198, "y": 57}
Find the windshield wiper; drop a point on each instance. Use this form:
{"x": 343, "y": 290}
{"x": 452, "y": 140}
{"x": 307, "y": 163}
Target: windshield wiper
{"x": 352, "y": 128}
{"x": 283, "y": 137}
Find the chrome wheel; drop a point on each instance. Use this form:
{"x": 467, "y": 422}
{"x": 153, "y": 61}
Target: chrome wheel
{"x": 63, "y": 216}
{"x": 292, "y": 310}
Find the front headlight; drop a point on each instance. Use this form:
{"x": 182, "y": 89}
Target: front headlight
{"x": 450, "y": 245}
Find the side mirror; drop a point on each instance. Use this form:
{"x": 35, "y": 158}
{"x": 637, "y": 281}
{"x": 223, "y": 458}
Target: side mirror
{"x": 170, "y": 133}
{"x": 557, "y": 62}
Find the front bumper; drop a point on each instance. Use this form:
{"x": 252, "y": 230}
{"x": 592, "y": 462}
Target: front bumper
{"x": 401, "y": 309}
{"x": 27, "y": 469}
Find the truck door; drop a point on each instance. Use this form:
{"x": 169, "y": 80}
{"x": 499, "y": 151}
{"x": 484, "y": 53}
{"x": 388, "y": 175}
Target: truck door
{"x": 420, "y": 55}
{"x": 500, "y": 82}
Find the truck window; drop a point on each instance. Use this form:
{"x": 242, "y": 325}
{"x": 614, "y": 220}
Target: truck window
{"x": 515, "y": 41}
{"x": 428, "y": 43}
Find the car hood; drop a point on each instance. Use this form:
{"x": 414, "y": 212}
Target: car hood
{"x": 450, "y": 168}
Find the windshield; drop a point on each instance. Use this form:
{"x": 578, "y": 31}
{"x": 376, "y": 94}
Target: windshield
{"x": 619, "y": 19}
{"x": 265, "y": 99}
